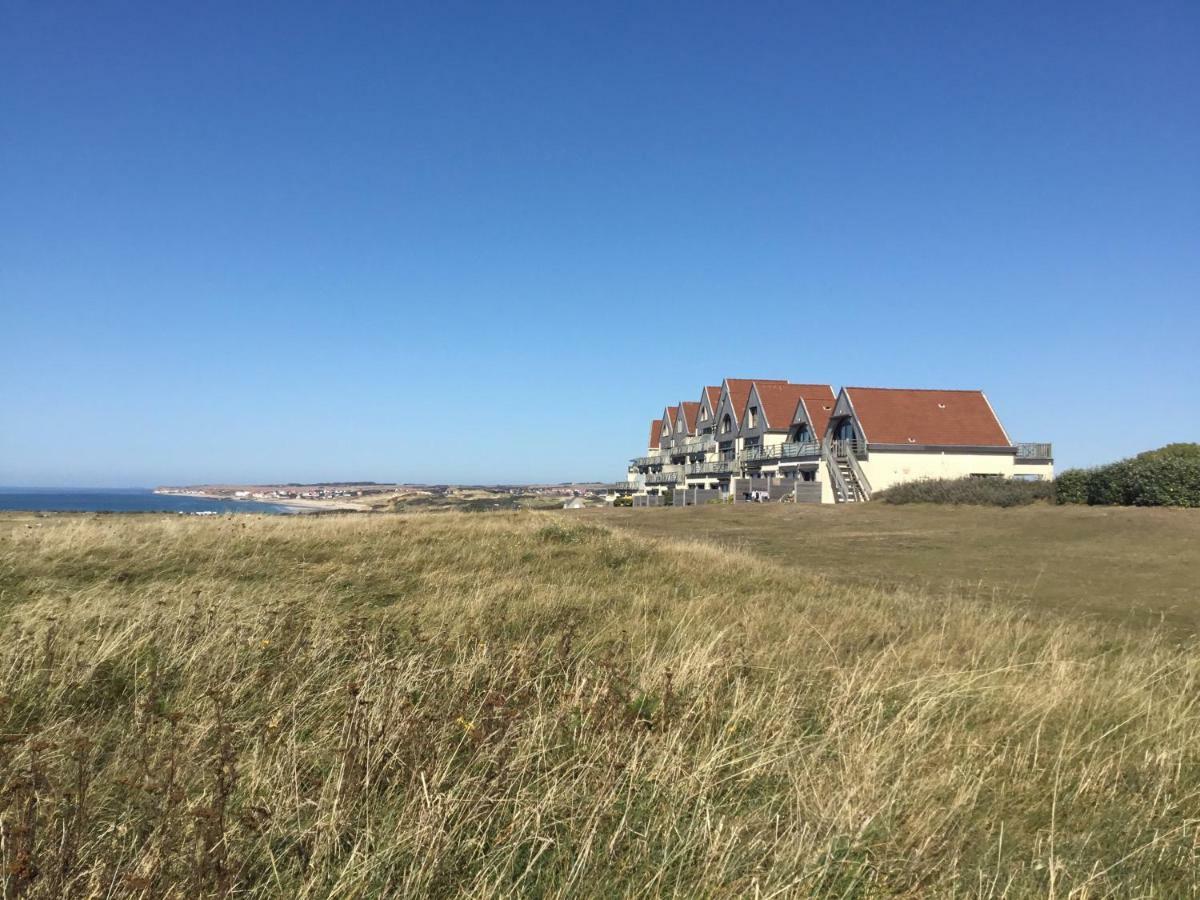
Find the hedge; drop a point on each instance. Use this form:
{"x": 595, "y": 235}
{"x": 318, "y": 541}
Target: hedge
{"x": 969, "y": 491}
{"x": 1156, "y": 478}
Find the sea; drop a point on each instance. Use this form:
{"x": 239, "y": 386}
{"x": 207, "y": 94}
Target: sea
{"x": 126, "y": 500}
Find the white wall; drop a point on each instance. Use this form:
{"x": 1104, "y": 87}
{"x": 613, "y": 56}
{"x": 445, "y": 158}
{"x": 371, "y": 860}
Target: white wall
{"x": 884, "y": 469}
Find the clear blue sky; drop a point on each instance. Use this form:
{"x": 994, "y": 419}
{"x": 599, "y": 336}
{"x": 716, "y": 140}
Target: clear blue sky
{"x": 450, "y": 242}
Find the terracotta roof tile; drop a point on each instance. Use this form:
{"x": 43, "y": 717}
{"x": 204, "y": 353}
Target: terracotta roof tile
{"x": 655, "y": 431}
{"x": 932, "y": 418}
{"x": 689, "y": 408}
{"x": 739, "y": 392}
{"x": 818, "y": 410}
{"x": 779, "y": 401}
{"x": 713, "y": 392}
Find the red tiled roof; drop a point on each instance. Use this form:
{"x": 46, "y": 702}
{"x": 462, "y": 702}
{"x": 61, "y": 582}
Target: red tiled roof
{"x": 655, "y": 431}
{"x": 689, "y": 408}
{"x": 933, "y": 418}
{"x": 779, "y": 401}
{"x": 739, "y": 392}
{"x": 670, "y": 413}
{"x": 713, "y": 392}
{"x": 818, "y": 410}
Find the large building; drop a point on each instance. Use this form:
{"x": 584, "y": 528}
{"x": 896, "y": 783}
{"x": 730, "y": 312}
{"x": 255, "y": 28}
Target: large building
{"x": 771, "y": 439}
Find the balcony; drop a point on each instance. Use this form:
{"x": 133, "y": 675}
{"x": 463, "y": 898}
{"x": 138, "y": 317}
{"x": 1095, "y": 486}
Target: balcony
{"x": 1034, "y": 451}
{"x": 720, "y": 467}
{"x": 693, "y": 446}
{"x": 643, "y": 461}
{"x": 790, "y": 450}
{"x": 662, "y": 478}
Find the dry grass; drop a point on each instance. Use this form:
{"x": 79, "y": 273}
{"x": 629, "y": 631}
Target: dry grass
{"x": 524, "y": 704}
{"x": 1123, "y": 565}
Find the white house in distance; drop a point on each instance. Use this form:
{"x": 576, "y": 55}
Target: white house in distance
{"x": 778, "y": 440}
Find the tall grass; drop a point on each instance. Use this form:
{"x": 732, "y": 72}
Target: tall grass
{"x": 520, "y": 704}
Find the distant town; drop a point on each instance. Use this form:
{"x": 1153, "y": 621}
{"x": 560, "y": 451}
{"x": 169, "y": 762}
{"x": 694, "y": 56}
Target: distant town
{"x": 374, "y": 496}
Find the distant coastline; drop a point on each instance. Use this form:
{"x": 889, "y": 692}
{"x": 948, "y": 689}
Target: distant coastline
{"x": 39, "y": 500}
{"x": 299, "y": 504}
{"x": 296, "y": 497}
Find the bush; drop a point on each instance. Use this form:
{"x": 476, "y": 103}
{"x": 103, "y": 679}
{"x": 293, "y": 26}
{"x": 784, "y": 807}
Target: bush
{"x": 972, "y": 491}
{"x": 1071, "y": 486}
{"x": 1173, "y": 451}
{"x": 1166, "y": 477}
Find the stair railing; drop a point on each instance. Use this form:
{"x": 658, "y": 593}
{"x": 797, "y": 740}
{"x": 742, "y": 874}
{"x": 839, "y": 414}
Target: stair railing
{"x": 864, "y": 486}
{"x": 841, "y": 491}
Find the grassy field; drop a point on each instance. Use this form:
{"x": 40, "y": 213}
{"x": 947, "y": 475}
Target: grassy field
{"x": 563, "y": 704}
{"x": 1113, "y": 563}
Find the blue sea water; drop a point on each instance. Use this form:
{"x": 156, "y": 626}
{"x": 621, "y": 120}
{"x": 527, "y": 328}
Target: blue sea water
{"x": 124, "y": 500}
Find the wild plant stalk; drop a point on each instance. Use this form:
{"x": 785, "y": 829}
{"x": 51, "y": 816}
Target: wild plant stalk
{"x": 525, "y": 705}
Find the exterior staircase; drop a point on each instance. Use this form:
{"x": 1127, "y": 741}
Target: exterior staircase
{"x": 849, "y": 483}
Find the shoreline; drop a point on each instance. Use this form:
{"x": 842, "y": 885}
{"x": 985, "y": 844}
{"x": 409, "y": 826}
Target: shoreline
{"x": 297, "y": 505}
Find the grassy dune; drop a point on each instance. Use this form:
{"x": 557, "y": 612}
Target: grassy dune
{"x": 529, "y": 704}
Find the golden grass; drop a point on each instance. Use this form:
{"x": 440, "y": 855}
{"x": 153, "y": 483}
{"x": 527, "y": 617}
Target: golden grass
{"x": 522, "y": 704}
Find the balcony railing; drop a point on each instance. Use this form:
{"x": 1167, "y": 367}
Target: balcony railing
{"x": 721, "y": 466}
{"x": 789, "y": 450}
{"x": 649, "y": 461}
{"x": 1034, "y": 451}
{"x": 704, "y": 444}
{"x": 662, "y": 478}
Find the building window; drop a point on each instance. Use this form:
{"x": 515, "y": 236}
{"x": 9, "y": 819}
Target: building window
{"x": 726, "y": 424}
{"x": 753, "y": 418}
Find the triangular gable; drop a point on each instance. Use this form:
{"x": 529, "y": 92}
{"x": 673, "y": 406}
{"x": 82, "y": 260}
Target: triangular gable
{"x": 843, "y": 409}
{"x": 668, "y": 427}
{"x": 753, "y": 404}
{"x": 685, "y": 422}
{"x": 725, "y": 417}
{"x": 706, "y": 414}
{"x": 813, "y": 409}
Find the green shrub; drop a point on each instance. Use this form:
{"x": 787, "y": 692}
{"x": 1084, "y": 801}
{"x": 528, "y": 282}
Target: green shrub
{"x": 1166, "y": 477}
{"x": 970, "y": 491}
{"x": 1173, "y": 451}
{"x": 1072, "y": 486}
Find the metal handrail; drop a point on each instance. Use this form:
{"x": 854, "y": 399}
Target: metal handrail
{"x": 1034, "y": 451}
{"x": 649, "y": 461}
{"x": 662, "y": 478}
{"x": 694, "y": 445}
{"x": 786, "y": 450}
{"x": 710, "y": 468}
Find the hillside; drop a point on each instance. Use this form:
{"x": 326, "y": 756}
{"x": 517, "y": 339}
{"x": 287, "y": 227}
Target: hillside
{"x": 531, "y": 703}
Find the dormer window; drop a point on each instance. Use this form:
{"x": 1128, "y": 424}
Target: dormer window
{"x": 752, "y": 417}
{"x": 726, "y": 424}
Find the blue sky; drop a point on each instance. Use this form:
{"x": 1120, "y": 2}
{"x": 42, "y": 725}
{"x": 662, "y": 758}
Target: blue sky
{"x": 459, "y": 242}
